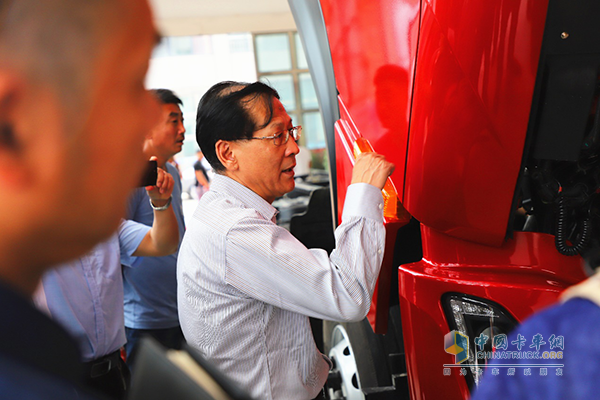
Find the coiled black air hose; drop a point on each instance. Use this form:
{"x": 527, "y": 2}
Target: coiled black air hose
{"x": 561, "y": 225}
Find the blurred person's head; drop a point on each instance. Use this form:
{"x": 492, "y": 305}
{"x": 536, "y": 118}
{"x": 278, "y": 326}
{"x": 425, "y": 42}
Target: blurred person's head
{"x": 230, "y": 116}
{"x": 166, "y": 137}
{"x": 73, "y": 115}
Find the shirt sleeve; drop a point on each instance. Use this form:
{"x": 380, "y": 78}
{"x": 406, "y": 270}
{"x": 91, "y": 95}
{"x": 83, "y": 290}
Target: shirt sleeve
{"x": 131, "y": 234}
{"x": 268, "y": 263}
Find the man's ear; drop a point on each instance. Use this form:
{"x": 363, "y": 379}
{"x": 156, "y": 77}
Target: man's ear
{"x": 12, "y": 170}
{"x": 226, "y": 154}
{"x": 8, "y": 98}
{"x": 7, "y": 134}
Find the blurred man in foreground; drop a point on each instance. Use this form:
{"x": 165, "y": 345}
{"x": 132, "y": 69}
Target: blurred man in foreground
{"x": 73, "y": 116}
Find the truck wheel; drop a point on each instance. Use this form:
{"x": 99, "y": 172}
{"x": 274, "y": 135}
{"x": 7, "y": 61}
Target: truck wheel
{"x": 344, "y": 380}
{"x": 358, "y": 357}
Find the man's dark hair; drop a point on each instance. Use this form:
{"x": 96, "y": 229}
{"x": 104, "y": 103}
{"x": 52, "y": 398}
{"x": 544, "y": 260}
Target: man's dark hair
{"x": 166, "y": 96}
{"x": 225, "y": 113}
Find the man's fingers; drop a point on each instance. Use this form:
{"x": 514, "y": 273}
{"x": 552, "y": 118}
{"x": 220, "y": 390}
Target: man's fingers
{"x": 160, "y": 179}
{"x": 372, "y": 168}
{"x": 164, "y": 182}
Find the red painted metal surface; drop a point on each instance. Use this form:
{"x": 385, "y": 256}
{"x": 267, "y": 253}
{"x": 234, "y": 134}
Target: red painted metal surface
{"x": 523, "y": 275}
{"x": 373, "y": 47}
{"x": 378, "y": 313}
{"x": 476, "y": 71}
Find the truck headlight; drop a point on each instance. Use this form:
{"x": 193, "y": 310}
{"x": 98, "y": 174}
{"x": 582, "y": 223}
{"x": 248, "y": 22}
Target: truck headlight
{"x": 474, "y": 317}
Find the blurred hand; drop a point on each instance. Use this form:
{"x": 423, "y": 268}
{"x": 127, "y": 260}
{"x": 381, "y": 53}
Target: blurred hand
{"x": 372, "y": 168}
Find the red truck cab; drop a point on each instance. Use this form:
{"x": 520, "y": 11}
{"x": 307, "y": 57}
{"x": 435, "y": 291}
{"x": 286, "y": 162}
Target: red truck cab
{"x": 489, "y": 112}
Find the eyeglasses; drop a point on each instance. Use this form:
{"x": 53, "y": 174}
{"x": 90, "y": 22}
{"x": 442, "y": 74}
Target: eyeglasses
{"x": 283, "y": 137}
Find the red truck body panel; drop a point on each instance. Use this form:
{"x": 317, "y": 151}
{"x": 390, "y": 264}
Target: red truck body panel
{"x": 523, "y": 275}
{"x": 477, "y": 66}
{"x": 475, "y": 74}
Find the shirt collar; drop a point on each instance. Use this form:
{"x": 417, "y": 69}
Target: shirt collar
{"x": 224, "y": 184}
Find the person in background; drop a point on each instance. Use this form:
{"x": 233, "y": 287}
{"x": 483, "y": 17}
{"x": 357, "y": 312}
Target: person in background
{"x": 303, "y": 163}
{"x": 73, "y": 115}
{"x": 150, "y": 283}
{"x": 174, "y": 163}
{"x": 247, "y": 287}
{"x": 86, "y": 295}
{"x": 202, "y": 179}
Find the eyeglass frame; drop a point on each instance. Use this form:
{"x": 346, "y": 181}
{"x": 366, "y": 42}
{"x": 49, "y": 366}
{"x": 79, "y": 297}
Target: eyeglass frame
{"x": 297, "y": 129}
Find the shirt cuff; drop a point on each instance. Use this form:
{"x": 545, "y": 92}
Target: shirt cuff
{"x": 363, "y": 200}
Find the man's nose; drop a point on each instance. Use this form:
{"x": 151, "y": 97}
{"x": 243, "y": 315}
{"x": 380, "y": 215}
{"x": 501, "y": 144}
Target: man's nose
{"x": 292, "y": 146}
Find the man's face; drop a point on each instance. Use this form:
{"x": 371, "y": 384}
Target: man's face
{"x": 107, "y": 158}
{"x": 166, "y": 138}
{"x": 265, "y": 168}
{"x": 67, "y": 170}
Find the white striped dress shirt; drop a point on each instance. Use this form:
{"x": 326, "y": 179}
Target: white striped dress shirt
{"x": 246, "y": 287}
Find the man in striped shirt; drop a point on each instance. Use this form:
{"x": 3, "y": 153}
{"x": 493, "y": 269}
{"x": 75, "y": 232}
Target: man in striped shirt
{"x": 246, "y": 286}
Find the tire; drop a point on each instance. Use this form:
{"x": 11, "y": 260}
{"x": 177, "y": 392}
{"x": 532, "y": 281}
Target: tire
{"x": 358, "y": 359}
{"x": 374, "y": 365}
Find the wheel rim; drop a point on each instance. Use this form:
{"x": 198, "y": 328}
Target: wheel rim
{"x": 343, "y": 358}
